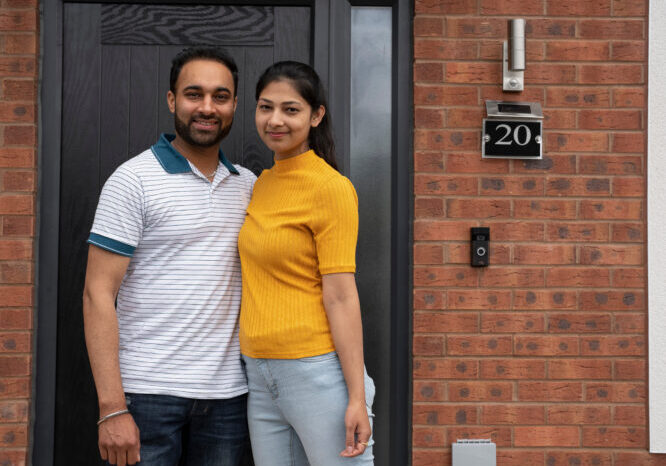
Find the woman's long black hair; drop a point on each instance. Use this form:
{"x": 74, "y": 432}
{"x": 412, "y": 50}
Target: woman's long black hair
{"x": 307, "y": 83}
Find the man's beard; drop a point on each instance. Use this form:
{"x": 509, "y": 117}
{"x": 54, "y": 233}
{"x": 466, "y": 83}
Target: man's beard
{"x": 197, "y": 139}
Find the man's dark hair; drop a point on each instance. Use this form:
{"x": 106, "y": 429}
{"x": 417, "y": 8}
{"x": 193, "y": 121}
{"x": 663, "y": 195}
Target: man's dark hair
{"x": 201, "y": 53}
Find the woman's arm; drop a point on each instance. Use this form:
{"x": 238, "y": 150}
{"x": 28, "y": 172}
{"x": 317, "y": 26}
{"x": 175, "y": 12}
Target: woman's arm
{"x": 344, "y": 317}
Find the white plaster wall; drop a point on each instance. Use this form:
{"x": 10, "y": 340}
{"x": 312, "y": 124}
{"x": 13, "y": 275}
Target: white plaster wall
{"x": 656, "y": 209}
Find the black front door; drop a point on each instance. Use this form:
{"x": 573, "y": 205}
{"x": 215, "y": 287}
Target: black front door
{"x": 115, "y": 76}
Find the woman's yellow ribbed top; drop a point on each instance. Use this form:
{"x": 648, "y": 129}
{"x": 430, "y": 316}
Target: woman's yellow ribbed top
{"x": 302, "y": 223}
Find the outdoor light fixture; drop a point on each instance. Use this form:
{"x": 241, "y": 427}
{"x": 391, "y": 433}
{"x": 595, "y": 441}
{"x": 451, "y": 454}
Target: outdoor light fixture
{"x": 514, "y": 57}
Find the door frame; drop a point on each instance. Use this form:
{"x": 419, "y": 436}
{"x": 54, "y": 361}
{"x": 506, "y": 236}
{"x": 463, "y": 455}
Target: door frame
{"x": 331, "y": 27}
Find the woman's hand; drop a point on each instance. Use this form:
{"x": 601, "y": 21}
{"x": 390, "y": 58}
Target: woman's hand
{"x": 358, "y": 429}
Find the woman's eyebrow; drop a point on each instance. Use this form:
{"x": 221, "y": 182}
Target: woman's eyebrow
{"x": 289, "y": 102}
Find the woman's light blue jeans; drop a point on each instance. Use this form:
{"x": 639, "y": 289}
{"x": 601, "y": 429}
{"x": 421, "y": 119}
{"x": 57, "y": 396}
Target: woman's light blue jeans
{"x": 296, "y": 411}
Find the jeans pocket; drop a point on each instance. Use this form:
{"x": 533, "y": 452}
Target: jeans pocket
{"x": 319, "y": 358}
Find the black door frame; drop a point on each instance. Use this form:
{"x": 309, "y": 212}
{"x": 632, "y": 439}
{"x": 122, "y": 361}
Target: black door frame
{"x": 332, "y": 61}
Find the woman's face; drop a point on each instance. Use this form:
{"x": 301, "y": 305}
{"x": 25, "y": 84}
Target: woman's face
{"x": 284, "y": 119}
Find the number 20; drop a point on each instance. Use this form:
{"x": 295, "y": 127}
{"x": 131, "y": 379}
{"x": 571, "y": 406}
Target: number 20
{"x": 503, "y": 142}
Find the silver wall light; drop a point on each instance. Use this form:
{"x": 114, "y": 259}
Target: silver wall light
{"x": 514, "y": 57}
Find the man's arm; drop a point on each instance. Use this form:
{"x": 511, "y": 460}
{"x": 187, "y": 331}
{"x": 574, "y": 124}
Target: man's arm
{"x": 118, "y": 436}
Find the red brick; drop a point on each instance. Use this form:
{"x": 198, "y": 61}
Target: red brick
{"x": 460, "y": 253}
{"x": 588, "y": 232}
{"x": 461, "y": 28}
{"x": 611, "y": 255}
{"x": 544, "y": 254}
{"x": 642, "y": 458}
{"x": 521, "y": 457}
{"x": 550, "y": 391}
{"x": 579, "y": 457}
{"x": 18, "y": 181}
{"x": 577, "y": 187}
{"x": 13, "y": 411}
{"x": 577, "y": 414}
{"x": 577, "y": 277}
{"x": 428, "y": 254}
{"x": 431, "y": 414}
{"x": 544, "y": 299}
{"x": 429, "y": 436}
{"x": 426, "y": 161}
{"x": 23, "y": 20}
{"x": 545, "y": 209}
{"x": 11, "y": 112}
{"x": 477, "y": 208}
{"x": 16, "y": 295}
{"x": 480, "y": 391}
{"x": 15, "y": 387}
{"x": 15, "y": 249}
{"x": 442, "y": 230}
{"x": 14, "y": 366}
{"x": 473, "y": 72}
{"x": 464, "y": 117}
{"x": 512, "y": 369}
{"x": 18, "y": 66}
{"x": 444, "y": 95}
{"x": 615, "y": 437}
{"x": 577, "y": 142}
{"x": 428, "y": 345}
{"x": 579, "y": 323}
{"x": 429, "y": 391}
{"x": 512, "y": 186}
{"x": 577, "y": 97}
{"x": 629, "y": 51}
{"x": 611, "y": 29}
{"x": 445, "y": 49}
{"x": 511, "y": 322}
{"x": 500, "y": 436}
{"x": 611, "y": 210}
{"x": 19, "y": 3}
{"x": 15, "y": 89}
{"x": 23, "y": 44}
{"x": 515, "y": 231}
{"x": 428, "y": 72}
{"x": 15, "y": 343}
{"x": 428, "y": 26}
{"x": 608, "y": 119}
{"x": 612, "y": 300}
{"x": 629, "y": 187}
{"x": 472, "y": 163}
{"x": 577, "y": 50}
{"x": 629, "y": 8}
{"x": 512, "y": 7}
{"x": 578, "y": 8}
{"x": 559, "y": 119}
{"x": 25, "y": 135}
{"x": 629, "y": 415}
{"x": 630, "y": 323}
{"x": 431, "y": 322}
{"x": 449, "y": 7}
{"x": 534, "y": 345}
{"x": 613, "y": 346}
{"x": 550, "y": 28}
{"x": 589, "y": 369}
{"x": 623, "y": 278}
{"x": 492, "y": 50}
{"x": 428, "y": 207}
{"x": 446, "y": 140}
{"x": 431, "y": 457}
{"x": 546, "y": 436}
{"x": 13, "y": 436}
{"x": 16, "y": 319}
{"x": 629, "y": 142}
{"x": 610, "y": 74}
{"x": 445, "y": 368}
{"x": 18, "y": 226}
{"x": 495, "y": 93}
{"x": 478, "y": 345}
{"x": 428, "y": 299}
{"x": 428, "y": 118}
{"x": 17, "y": 157}
{"x": 15, "y": 272}
{"x": 512, "y": 414}
{"x": 478, "y": 299}
{"x": 629, "y": 97}
{"x": 555, "y": 163}
{"x": 445, "y": 185}
{"x": 513, "y": 277}
{"x": 611, "y": 165}
{"x": 547, "y": 73}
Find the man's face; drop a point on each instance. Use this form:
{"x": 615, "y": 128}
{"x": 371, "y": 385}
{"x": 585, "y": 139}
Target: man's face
{"x": 204, "y": 103}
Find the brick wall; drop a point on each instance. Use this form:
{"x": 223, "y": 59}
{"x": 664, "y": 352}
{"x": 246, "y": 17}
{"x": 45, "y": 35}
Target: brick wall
{"x": 544, "y": 351}
{"x": 19, "y": 41}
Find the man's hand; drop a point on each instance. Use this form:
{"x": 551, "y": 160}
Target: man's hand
{"x": 358, "y": 429}
{"x": 119, "y": 440}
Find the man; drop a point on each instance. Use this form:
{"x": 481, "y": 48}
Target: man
{"x": 166, "y": 362}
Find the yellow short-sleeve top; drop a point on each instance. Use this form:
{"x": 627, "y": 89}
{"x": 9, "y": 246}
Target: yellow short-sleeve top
{"x": 302, "y": 223}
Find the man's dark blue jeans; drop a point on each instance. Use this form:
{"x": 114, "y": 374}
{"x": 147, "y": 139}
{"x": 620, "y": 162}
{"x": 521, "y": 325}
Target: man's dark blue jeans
{"x": 189, "y": 432}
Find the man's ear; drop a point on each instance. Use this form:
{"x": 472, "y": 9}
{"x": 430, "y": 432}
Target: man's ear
{"x": 317, "y": 116}
{"x": 171, "y": 101}
{"x": 235, "y": 103}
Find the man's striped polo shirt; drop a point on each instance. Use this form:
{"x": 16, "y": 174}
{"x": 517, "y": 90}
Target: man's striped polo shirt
{"x": 178, "y": 303}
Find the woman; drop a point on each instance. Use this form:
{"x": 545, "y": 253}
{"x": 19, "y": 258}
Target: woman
{"x": 300, "y": 327}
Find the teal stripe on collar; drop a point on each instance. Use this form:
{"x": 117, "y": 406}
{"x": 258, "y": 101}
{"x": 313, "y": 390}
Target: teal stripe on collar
{"x": 173, "y": 162}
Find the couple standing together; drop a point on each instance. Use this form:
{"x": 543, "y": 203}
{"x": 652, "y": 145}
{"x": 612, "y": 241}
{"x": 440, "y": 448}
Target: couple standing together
{"x": 172, "y": 365}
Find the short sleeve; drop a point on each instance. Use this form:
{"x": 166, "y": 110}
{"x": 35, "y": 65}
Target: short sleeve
{"x": 335, "y": 226}
{"x": 118, "y": 224}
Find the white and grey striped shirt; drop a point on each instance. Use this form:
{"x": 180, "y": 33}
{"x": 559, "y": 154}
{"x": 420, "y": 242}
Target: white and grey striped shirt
{"x": 178, "y": 303}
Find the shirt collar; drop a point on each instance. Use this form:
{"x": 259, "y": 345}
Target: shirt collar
{"x": 173, "y": 162}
